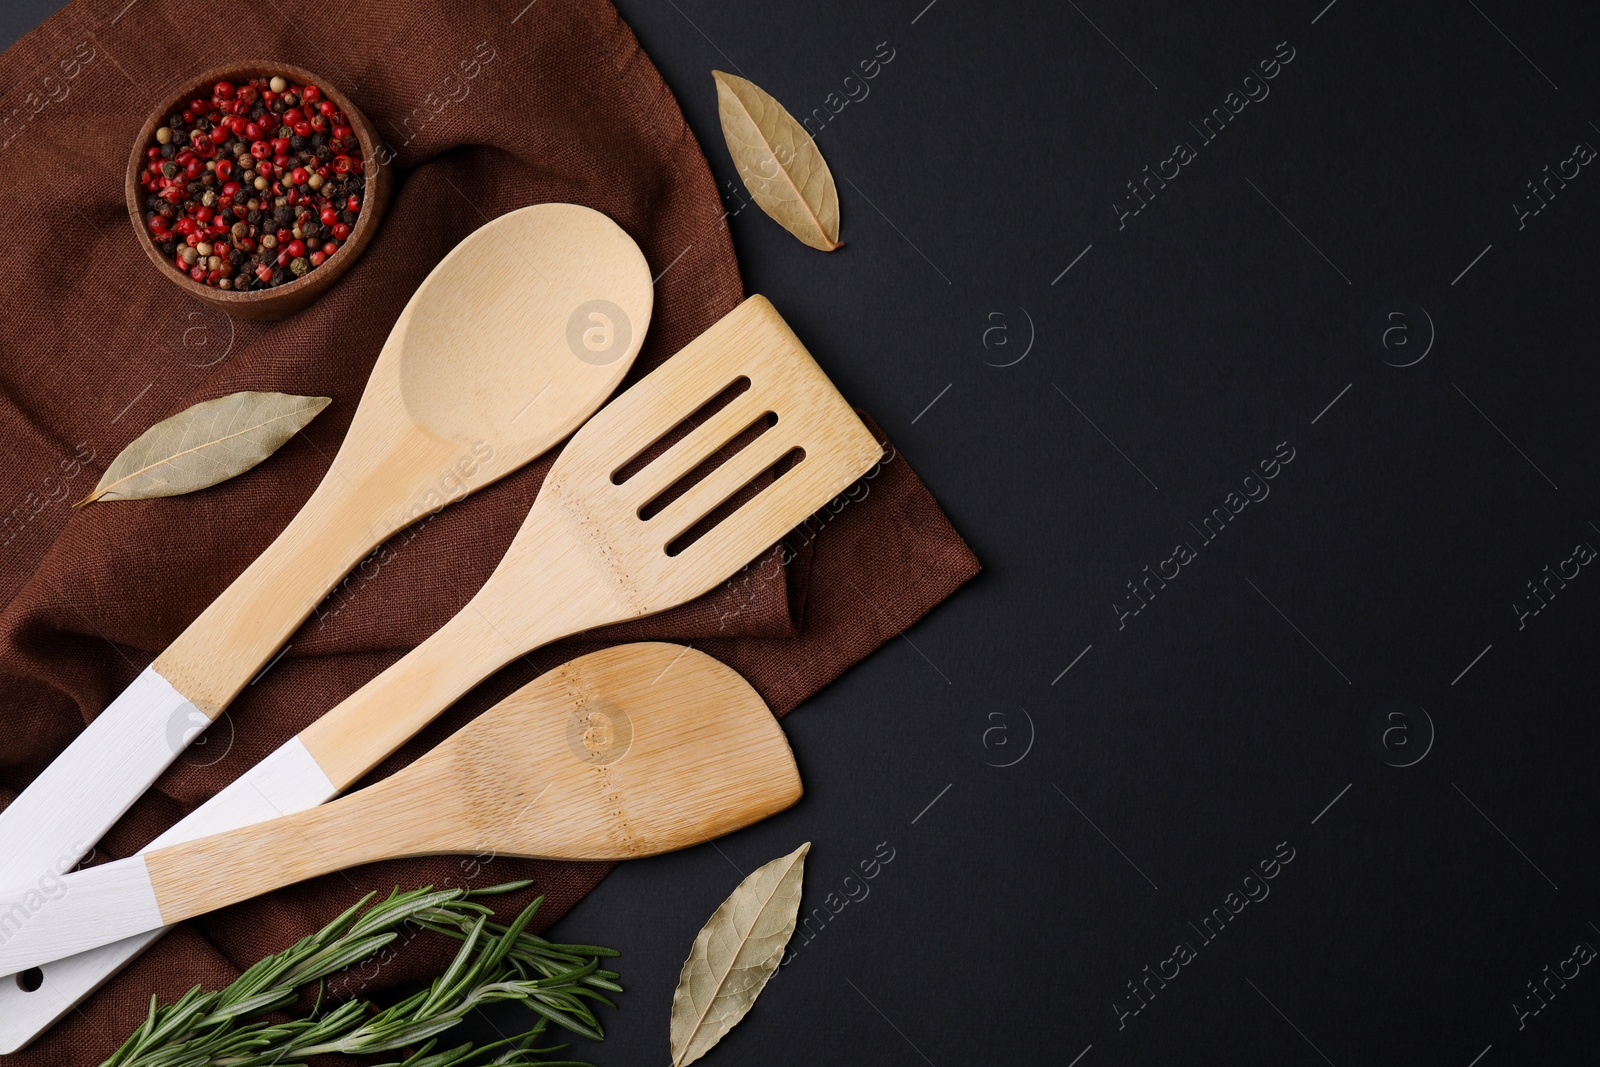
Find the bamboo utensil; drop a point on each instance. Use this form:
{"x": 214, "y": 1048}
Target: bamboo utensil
{"x": 511, "y": 342}
{"x": 626, "y": 752}
{"x": 584, "y": 557}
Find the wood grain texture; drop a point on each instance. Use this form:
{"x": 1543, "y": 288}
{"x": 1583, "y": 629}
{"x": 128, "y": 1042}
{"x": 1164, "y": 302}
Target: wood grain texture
{"x": 585, "y": 558}
{"x": 626, "y": 752}
{"x": 477, "y": 378}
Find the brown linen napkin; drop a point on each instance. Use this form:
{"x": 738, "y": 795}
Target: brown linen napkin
{"x": 489, "y": 106}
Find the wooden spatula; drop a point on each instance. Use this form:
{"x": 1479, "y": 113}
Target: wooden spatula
{"x": 585, "y": 557}
{"x": 625, "y": 752}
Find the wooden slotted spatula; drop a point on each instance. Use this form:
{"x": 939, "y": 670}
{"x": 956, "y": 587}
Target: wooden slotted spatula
{"x": 626, "y": 752}
{"x": 584, "y": 558}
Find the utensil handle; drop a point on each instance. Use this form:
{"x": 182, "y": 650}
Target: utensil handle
{"x": 394, "y": 819}
{"x": 350, "y": 513}
{"x": 543, "y": 590}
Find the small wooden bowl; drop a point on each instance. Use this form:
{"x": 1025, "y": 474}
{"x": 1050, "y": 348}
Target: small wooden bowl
{"x": 283, "y": 300}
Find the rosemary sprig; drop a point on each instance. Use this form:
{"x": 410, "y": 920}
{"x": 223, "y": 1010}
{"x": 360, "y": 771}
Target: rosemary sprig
{"x": 225, "y": 1028}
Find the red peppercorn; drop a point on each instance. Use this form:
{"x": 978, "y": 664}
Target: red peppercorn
{"x": 218, "y": 216}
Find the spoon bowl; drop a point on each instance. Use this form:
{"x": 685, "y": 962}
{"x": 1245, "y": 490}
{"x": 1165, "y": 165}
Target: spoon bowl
{"x": 557, "y": 280}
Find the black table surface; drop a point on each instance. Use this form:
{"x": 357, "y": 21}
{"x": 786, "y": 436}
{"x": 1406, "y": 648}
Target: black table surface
{"x": 1249, "y": 349}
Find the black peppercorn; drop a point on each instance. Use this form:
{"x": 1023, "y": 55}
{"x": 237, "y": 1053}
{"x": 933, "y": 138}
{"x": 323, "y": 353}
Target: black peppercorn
{"x": 284, "y": 214}
{"x": 323, "y": 153}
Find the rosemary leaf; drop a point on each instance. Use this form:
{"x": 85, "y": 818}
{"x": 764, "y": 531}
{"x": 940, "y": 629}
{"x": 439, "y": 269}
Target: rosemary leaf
{"x": 494, "y": 963}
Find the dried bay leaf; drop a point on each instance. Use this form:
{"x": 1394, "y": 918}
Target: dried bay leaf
{"x": 208, "y": 443}
{"x": 779, "y": 162}
{"x": 734, "y": 955}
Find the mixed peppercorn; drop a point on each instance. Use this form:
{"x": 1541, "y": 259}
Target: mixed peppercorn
{"x": 254, "y": 187}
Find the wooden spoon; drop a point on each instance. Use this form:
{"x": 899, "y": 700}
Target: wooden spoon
{"x": 626, "y": 752}
{"x": 506, "y": 348}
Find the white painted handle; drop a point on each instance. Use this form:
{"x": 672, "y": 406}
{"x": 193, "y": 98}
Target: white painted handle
{"x": 77, "y": 912}
{"x": 70, "y": 806}
{"x": 286, "y": 781}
